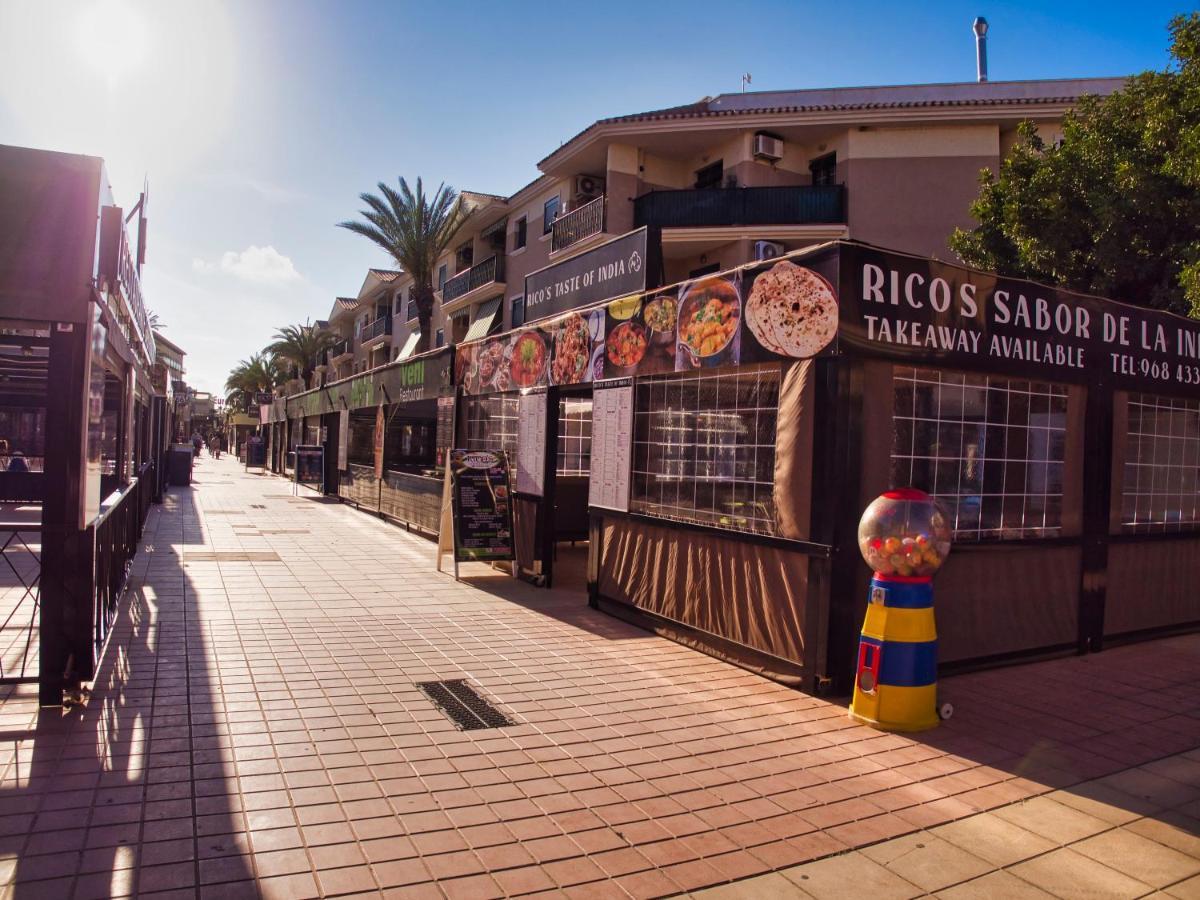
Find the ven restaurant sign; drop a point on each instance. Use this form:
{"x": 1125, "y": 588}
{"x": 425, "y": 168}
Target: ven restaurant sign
{"x": 917, "y": 309}
{"x": 615, "y": 268}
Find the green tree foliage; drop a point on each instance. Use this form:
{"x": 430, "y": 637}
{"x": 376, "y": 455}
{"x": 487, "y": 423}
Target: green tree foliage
{"x": 261, "y": 372}
{"x": 302, "y": 346}
{"x": 415, "y": 229}
{"x": 1114, "y": 209}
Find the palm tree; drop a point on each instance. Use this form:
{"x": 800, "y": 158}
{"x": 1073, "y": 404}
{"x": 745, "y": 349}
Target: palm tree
{"x": 415, "y": 230}
{"x": 258, "y": 373}
{"x": 303, "y": 346}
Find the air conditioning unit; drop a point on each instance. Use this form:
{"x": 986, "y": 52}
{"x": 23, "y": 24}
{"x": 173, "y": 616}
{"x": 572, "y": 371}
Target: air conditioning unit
{"x": 767, "y": 250}
{"x": 768, "y": 146}
{"x": 588, "y": 187}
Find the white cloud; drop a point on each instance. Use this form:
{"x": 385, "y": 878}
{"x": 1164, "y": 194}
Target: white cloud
{"x": 257, "y": 265}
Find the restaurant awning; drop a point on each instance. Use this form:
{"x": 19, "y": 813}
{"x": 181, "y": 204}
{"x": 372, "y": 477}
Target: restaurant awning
{"x": 483, "y": 320}
{"x": 410, "y": 345}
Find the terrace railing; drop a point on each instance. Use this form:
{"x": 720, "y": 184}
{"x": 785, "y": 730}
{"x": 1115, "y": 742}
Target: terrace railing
{"x": 578, "y": 224}
{"x": 341, "y": 348}
{"x": 489, "y": 271}
{"x": 377, "y": 329}
{"x": 715, "y": 207}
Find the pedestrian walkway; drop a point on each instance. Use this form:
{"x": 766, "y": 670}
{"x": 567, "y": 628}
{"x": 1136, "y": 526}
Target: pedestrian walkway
{"x": 257, "y": 730}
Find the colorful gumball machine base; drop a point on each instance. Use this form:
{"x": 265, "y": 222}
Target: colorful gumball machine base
{"x": 895, "y": 683}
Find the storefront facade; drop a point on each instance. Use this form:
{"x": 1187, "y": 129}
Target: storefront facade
{"x": 385, "y": 434}
{"x": 728, "y": 431}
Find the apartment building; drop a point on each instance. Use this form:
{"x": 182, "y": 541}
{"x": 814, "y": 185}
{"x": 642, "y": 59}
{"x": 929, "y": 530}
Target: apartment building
{"x": 718, "y": 183}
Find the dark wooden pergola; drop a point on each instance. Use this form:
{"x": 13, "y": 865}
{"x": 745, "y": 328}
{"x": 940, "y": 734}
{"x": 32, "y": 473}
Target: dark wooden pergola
{"x": 82, "y": 429}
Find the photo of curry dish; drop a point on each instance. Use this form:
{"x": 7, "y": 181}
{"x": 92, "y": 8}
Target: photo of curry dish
{"x": 659, "y": 314}
{"x": 626, "y": 345}
{"x": 709, "y": 316}
{"x": 528, "y": 364}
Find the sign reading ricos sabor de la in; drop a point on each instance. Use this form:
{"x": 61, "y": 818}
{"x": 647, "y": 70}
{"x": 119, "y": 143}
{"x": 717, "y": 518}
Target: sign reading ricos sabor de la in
{"x": 918, "y": 309}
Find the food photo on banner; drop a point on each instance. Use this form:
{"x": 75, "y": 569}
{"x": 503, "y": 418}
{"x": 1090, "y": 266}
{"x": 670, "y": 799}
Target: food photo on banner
{"x": 763, "y": 312}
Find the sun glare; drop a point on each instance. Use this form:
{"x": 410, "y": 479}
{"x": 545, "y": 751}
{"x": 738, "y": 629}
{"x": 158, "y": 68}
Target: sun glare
{"x": 112, "y": 37}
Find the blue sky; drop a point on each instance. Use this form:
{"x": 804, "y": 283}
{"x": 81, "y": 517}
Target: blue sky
{"x": 258, "y": 122}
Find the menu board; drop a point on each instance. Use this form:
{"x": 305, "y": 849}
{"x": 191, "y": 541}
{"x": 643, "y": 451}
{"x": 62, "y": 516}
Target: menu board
{"x": 343, "y": 438}
{"x": 256, "y": 452}
{"x": 310, "y": 465}
{"x": 612, "y": 444}
{"x": 482, "y": 507}
{"x": 445, "y": 428}
{"x": 531, "y": 442}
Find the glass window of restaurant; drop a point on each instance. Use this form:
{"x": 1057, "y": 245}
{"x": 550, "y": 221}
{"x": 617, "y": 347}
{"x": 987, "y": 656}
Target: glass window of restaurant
{"x": 991, "y": 448}
{"x": 704, "y": 447}
{"x": 23, "y": 430}
{"x": 491, "y": 421}
{"x": 1161, "y": 478}
{"x": 360, "y": 442}
{"x": 410, "y": 443}
{"x": 574, "y": 436}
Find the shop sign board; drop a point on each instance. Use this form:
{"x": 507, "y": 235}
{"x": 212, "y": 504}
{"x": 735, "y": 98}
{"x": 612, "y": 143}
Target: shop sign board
{"x": 617, "y": 267}
{"x": 531, "y": 442}
{"x": 910, "y": 308}
{"x": 481, "y": 505}
{"x": 424, "y": 378}
{"x": 612, "y": 444}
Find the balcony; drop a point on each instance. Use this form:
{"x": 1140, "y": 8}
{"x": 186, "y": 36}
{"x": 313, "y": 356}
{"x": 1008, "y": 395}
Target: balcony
{"x": 725, "y": 207}
{"x": 488, "y": 272}
{"x": 377, "y": 329}
{"x": 578, "y": 224}
{"x": 334, "y": 354}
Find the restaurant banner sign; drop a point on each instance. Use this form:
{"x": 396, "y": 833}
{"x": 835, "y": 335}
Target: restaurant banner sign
{"x": 926, "y": 312}
{"x": 482, "y": 505}
{"x": 425, "y": 377}
{"x": 777, "y": 310}
{"x": 617, "y": 267}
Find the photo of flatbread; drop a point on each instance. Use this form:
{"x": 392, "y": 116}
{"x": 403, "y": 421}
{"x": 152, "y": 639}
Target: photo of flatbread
{"x": 792, "y": 311}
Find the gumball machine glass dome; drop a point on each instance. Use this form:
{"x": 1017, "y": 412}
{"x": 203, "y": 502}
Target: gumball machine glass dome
{"x": 904, "y": 533}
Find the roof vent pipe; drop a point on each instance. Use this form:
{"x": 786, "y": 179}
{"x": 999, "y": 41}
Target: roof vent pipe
{"x": 980, "y": 27}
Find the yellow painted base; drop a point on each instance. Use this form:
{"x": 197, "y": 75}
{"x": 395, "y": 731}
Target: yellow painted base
{"x": 892, "y": 708}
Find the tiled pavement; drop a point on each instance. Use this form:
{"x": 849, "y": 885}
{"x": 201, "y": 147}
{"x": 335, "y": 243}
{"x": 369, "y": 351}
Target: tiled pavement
{"x": 256, "y": 732}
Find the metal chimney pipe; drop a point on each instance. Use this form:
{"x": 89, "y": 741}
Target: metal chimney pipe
{"x": 980, "y": 27}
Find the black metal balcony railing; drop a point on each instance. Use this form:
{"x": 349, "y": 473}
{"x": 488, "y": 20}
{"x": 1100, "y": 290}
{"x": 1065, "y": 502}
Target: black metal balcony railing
{"x": 341, "y": 348}
{"x": 376, "y": 329}
{"x": 578, "y": 224}
{"x": 714, "y": 207}
{"x": 489, "y": 271}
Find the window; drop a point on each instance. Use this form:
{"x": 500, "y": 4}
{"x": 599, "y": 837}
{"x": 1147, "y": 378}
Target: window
{"x": 824, "y": 169}
{"x": 705, "y": 270}
{"x": 518, "y": 312}
{"x": 360, "y": 442}
{"x": 398, "y": 308}
{"x": 441, "y": 277}
{"x": 710, "y": 176}
{"x": 410, "y": 305}
{"x": 550, "y": 213}
{"x": 990, "y": 448}
{"x": 704, "y": 447}
{"x": 1161, "y": 488}
{"x": 464, "y": 256}
{"x": 440, "y": 339}
{"x": 574, "y": 436}
{"x": 521, "y": 232}
{"x": 492, "y": 423}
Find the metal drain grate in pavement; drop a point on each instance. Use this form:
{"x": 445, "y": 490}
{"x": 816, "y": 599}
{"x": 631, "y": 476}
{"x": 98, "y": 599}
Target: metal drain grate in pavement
{"x": 463, "y": 706}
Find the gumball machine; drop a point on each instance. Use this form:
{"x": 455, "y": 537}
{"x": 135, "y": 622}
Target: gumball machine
{"x": 904, "y": 536}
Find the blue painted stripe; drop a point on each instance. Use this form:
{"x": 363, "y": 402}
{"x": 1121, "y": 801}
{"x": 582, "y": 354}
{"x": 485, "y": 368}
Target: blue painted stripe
{"x": 904, "y": 594}
{"x": 908, "y": 665}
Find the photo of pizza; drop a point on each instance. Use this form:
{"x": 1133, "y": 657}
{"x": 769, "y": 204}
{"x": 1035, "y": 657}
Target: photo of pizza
{"x": 792, "y": 311}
